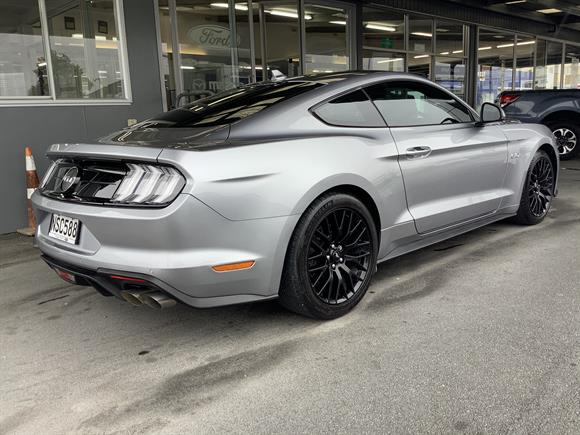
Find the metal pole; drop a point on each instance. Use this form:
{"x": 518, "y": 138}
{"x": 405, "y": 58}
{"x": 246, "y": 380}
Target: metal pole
{"x": 177, "y": 76}
{"x": 233, "y": 42}
{"x": 252, "y": 42}
{"x": 263, "y": 47}
{"x": 302, "y": 33}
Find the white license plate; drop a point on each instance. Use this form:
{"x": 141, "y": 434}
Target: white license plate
{"x": 65, "y": 228}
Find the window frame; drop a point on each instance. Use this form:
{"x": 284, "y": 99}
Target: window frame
{"x": 52, "y": 100}
{"x": 470, "y": 110}
{"x": 316, "y": 106}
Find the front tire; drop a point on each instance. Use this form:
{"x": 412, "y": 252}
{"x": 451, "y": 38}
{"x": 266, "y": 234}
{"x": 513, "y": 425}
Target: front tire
{"x": 331, "y": 258}
{"x": 567, "y": 135}
{"x": 538, "y": 190}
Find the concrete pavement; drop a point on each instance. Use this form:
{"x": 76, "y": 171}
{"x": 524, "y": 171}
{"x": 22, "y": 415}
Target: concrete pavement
{"x": 479, "y": 334}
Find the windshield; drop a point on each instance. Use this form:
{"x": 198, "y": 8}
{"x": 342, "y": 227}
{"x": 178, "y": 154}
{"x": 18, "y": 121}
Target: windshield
{"x": 230, "y": 106}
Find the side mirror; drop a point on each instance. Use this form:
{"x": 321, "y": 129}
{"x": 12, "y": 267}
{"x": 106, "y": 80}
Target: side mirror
{"x": 490, "y": 113}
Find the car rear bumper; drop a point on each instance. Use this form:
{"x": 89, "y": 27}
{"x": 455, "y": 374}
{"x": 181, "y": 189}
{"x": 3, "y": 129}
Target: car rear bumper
{"x": 174, "y": 248}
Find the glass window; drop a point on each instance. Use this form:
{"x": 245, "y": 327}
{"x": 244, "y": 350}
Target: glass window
{"x": 23, "y": 69}
{"x": 548, "y": 64}
{"x": 327, "y": 47}
{"x": 84, "y": 43}
{"x": 571, "y": 73}
{"x": 383, "y": 60}
{"x": 450, "y": 73}
{"x": 419, "y": 64}
{"x": 351, "y": 110}
{"x": 408, "y": 103}
{"x": 525, "y": 48}
{"x": 495, "y": 64}
{"x": 232, "y": 105}
{"x": 383, "y": 29}
{"x": 420, "y": 33}
{"x": 450, "y": 38}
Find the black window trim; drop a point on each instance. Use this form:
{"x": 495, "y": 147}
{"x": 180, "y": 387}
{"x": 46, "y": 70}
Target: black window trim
{"x": 413, "y": 80}
{"x": 313, "y": 109}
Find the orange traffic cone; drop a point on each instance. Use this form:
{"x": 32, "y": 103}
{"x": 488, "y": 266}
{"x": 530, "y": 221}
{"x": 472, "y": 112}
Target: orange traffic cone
{"x": 31, "y": 185}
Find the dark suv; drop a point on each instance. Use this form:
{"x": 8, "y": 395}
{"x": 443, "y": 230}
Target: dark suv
{"x": 559, "y": 109}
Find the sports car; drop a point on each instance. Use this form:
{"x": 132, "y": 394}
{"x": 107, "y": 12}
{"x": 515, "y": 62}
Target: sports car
{"x": 293, "y": 189}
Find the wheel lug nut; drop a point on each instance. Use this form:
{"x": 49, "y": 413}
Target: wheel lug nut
{"x": 341, "y": 260}
{"x": 334, "y": 266}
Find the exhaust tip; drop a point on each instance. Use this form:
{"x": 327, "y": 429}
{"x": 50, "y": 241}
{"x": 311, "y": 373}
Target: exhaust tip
{"x": 133, "y": 297}
{"x": 157, "y": 300}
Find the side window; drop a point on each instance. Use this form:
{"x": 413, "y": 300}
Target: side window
{"x": 351, "y": 110}
{"x": 410, "y": 103}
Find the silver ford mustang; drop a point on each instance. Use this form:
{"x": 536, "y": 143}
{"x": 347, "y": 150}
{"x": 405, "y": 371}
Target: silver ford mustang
{"x": 293, "y": 190}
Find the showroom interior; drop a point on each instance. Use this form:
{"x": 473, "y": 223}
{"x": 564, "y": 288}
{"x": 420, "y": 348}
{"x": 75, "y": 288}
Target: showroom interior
{"x": 74, "y": 70}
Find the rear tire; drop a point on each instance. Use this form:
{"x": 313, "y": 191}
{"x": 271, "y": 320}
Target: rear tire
{"x": 567, "y": 134}
{"x": 538, "y": 190}
{"x": 331, "y": 258}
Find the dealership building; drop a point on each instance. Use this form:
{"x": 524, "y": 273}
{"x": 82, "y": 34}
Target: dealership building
{"x": 74, "y": 70}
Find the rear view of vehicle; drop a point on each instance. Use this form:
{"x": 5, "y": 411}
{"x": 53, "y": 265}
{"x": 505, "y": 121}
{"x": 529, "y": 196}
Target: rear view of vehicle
{"x": 559, "y": 109}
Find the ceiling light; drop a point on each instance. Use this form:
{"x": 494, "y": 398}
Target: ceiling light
{"x": 397, "y": 59}
{"x": 457, "y": 51}
{"x": 187, "y": 67}
{"x": 444, "y": 52}
{"x": 287, "y": 14}
{"x": 340, "y": 23}
{"x": 425, "y": 34}
{"x": 526, "y": 43}
{"x": 44, "y": 63}
{"x": 375, "y": 26}
{"x": 485, "y": 48}
{"x": 239, "y": 6}
{"x": 77, "y": 35}
{"x": 513, "y": 2}
{"x": 548, "y": 11}
{"x": 505, "y": 45}
{"x": 100, "y": 38}
{"x": 420, "y": 56}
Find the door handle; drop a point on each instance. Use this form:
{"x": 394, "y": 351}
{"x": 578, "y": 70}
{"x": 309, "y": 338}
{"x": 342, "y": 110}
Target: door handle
{"x": 418, "y": 152}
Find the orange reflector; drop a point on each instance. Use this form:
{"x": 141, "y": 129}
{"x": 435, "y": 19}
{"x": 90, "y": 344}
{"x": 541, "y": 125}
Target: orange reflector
{"x": 233, "y": 266}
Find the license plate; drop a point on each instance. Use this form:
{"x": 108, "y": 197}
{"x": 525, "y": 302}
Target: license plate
{"x": 65, "y": 228}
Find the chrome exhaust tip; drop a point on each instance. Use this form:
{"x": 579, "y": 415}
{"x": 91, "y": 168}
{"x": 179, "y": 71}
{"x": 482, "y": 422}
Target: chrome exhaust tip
{"x": 134, "y": 297}
{"x": 157, "y": 300}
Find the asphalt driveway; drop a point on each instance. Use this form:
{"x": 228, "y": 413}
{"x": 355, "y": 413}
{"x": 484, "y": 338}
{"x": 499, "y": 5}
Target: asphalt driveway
{"x": 479, "y": 334}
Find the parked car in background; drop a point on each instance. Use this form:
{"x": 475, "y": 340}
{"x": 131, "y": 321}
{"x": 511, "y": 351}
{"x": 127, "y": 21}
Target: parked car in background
{"x": 559, "y": 109}
{"x": 293, "y": 189}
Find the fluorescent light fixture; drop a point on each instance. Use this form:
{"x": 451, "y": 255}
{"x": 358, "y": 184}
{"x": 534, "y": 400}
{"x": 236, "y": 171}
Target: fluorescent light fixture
{"x": 102, "y": 72}
{"x": 187, "y": 67}
{"x": 513, "y": 2}
{"x": 489, "y": 47}
{"x": 287, "y": 14}
{"x": 505, "y": 45}
{"x": 526, "y": 43}
{"x": 444, "y": 52}
{"x": 238, "y": 6}
{"x": 457, "y": 51}
{"x": 340, "y": 23}
{"x": 420, "y": 56}
{"x": 396, "y": 59}
{"x": 114, "y": 38}
{"x": 548, "y": 11}
{"x": 425, "y": 34}
{"x": 77, "y": 35}
{"x": 100, "y": 38}
{"x": 377, "y": 26}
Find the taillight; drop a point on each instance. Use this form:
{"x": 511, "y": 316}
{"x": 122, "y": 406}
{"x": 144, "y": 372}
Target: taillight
{"x": 506, "y": 99}
{"x": 149, "y": 184}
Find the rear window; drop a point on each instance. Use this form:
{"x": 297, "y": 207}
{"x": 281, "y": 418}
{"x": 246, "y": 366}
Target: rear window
{"x": 231, "y": 106}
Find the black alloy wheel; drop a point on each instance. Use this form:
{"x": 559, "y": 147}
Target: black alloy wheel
{"x": 331, "y": 257}
{"x": 540, "y": 187}
{"x": 339, "y": 255}
{"x": 538, "y": 190}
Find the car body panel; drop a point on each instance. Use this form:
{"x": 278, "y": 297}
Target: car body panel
{"x": 248, "y": 185}
{"x": 446, "y": 187}
{"x": 536, "y": 106}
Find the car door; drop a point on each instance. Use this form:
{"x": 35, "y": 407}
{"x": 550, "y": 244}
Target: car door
{"x": 453, "y": 170}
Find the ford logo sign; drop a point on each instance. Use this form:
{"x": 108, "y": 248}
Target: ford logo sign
{"x": 69, "y": 179}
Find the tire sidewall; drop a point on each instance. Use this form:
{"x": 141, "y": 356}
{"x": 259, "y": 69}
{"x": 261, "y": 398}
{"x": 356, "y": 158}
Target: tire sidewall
{"x": 311, "y": 221}
{"x": 524, "y": 212}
